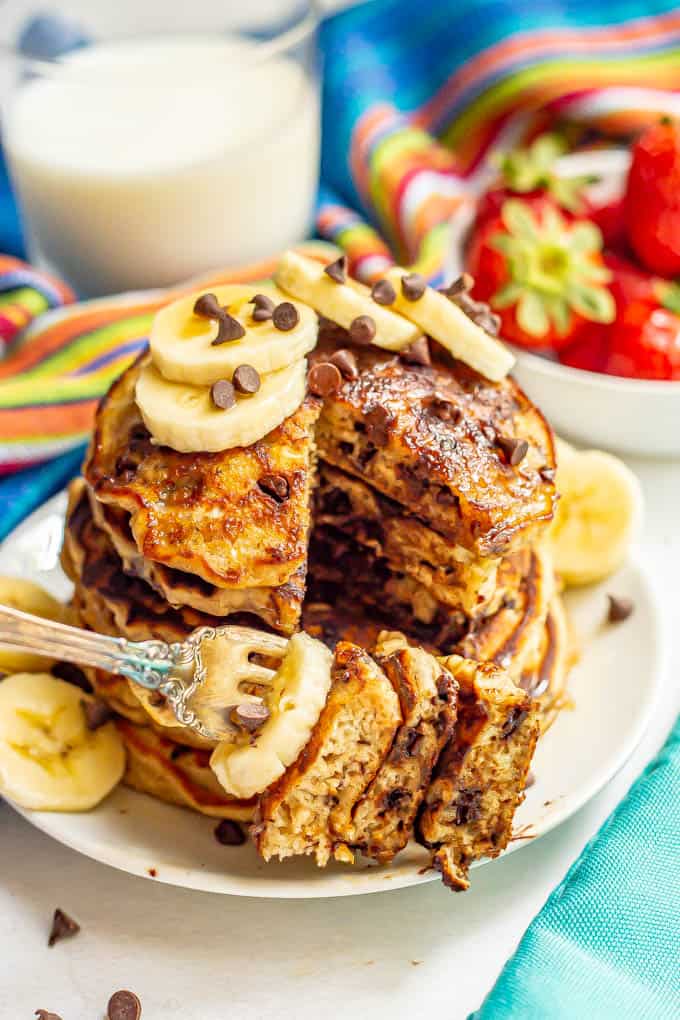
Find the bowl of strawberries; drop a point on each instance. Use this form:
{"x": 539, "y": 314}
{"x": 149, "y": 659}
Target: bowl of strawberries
{"x": 578, "y": 255}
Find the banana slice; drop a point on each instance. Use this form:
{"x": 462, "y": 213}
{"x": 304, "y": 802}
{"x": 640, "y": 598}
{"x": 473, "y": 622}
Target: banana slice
{"x": 185, "y": 418}
{"x": 181, "y": 342}
{"x": 295, "y": 701}
{"x": 29, "y": 598}
{"x": 597, "y": 515}
{"x": 49, "y": 759}
{"x": 446, "y": 323}
{"x": 304, "y": 278}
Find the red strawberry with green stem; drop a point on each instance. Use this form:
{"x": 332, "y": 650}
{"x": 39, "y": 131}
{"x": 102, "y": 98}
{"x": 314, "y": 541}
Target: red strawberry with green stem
{"x": 653, "y": 199}
{"x": 543, "y": 275}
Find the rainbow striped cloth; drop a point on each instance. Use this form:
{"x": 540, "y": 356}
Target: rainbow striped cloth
{"x": 416, "y": 101}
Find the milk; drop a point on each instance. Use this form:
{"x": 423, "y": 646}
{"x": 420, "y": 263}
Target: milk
{"x": 142, "y": 163}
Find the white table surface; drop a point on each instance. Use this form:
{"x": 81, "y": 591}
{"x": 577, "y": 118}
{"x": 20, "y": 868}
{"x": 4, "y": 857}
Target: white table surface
{"x": 409, "y": 953}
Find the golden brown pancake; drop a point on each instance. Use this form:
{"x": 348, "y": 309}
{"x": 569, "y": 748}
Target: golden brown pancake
{"x": 450, "y": 467}
{"x": 216, "y": 515}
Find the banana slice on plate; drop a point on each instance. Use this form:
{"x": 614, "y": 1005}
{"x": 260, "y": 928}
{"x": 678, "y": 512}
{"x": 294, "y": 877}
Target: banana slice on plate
{"x": 296, "y": 698}
{"x": 187, "y": 419}
{"x": 29, "y": 598}
{"x": 305, "y": 279}
{"x": 181, "y": 342}
{"x": 597, "y": 516}
{"x": 448, "y": 324}
{"x": 49, "y": 759}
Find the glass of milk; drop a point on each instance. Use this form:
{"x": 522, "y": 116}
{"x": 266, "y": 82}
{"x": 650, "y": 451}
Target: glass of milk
{"x": 167, "y": 139}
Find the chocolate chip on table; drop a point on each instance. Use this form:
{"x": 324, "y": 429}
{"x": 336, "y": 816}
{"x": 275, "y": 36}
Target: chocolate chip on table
{"x": 223, "y": 394}
{"x": 97, "y": 713}
{"x": 264, "y": 307}
{"x": 417, "y": 353}
{"x": 337, "y": 270}
{"x": 229, "y": 833}
{"x": 620, "y": 608}
{"x": 63, "y": 927}
{"x": 346, "y": 362}
{"x": 275, "y": 486}
{"x": 124, "y": 1005}
{"x": 514, "y": 449}
{"x": 383, "y": 293}
{"x": 44, "y": 1014}
{"x": 208, "y": 307}
{"x": 324, "y": 379}
{"x": 246, "y": 379}
{"x": 377, "y": 420}
{"x": 285, "y": 316}
{"x": 250, "y": 715}
{"x": 413, "y": 286}
{"x": 362, "y": 330}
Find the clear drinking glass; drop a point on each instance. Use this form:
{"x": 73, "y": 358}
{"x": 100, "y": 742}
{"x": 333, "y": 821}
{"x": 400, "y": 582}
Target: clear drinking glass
{"x": 148, "y": 142}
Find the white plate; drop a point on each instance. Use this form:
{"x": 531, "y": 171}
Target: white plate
{"x": 637, "y": 416}
{"x": 613, "y": 687}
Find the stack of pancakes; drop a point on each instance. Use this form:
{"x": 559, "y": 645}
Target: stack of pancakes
{"x": 413, "y": 499}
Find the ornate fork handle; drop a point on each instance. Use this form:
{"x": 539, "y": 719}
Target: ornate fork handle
{"x": 146, "y": 662}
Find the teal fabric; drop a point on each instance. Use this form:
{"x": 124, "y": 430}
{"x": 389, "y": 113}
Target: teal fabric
{"x": 606, "y": 945}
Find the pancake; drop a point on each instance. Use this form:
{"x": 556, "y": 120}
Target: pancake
{"x": 278, "y": 607}
{"x": 177, "y": 774}
{"x": 308, "y": 810}
{"x": 209, "y": 514}
{"x": 545, "y": 676}
{"x": 454, "y": 576}
{"x": 481, "y": 776}
{"x": 448, "y": 466}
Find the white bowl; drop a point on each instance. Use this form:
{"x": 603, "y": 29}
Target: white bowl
{"x": 635, "y": 416}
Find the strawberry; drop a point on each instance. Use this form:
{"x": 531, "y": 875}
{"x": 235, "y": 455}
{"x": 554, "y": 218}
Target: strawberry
{"x": 645, "y": 344}
{"x": 544, "y": 276}
{"x": 590, "y": 351}
{"x": 653, "y": 199}
{"x": 610, "y": 218}
{"x": 529, "y": 173}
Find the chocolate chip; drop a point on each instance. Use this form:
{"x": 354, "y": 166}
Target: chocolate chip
{"x": 346, "y": 362}
{"x": 377, "y": 420}
{"x": 223, "y": 394}
{"x": 479, "y": 312}
{"x": 251, "y": 715}
{"x": 337, "y": 270}
{"x": 63, "y": 927}
{"x": 97, "y": 713}
{"x": 362, "y": 330}
{"x": 413, "y": 286}
{"x": 229, "y": 329}
{"x": 395, "y": 796}
{"x": 275, "y": 486}
{"x": 383, "y": 293}
{"x": 156, "y": 699}
{"x": 459, "y": 286}
{"x": 228, "y": 833}
{"x": 620, "y": 608}
{"x": 441, "y": 407}
{"x": 44, "y": 1014}
{"x": 417, "y": 353}
{"x": 324, "y": 379}
{"x": 264, "y": 307}
{"x": 547, "y": 473}
{"x": 515, "y": 718}
{"x": 285, "y": 316}
{"x": 514, "y": 449}
{"x": 468, "y": 804}
{"x": 124, "y": 1005}
{"x": 208, "y": 307}
{"x": 72, "y": 675}
{"x": 246, "y": 379}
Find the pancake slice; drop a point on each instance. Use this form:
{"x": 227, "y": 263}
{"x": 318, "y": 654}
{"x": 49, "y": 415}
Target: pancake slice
{"x": 382, "y": 821}
{"x": 309, "y": 808}
{"x": 480, "y": 778}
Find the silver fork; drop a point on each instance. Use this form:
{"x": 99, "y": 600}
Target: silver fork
{"x": 201, "y": 702}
